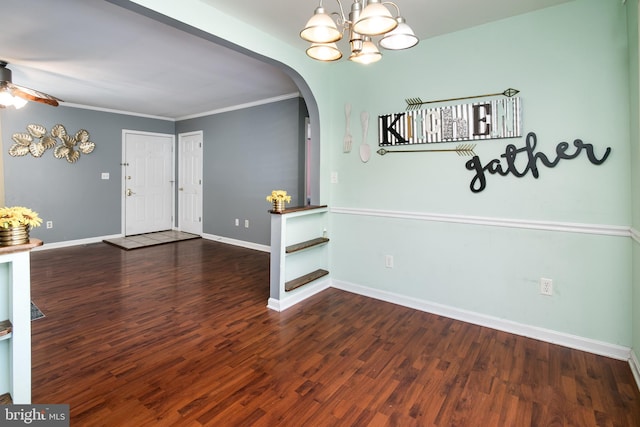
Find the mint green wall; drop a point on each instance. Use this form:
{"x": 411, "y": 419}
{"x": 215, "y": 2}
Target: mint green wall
{"x": 634, "y": 90}
{"x": 573, "y": 78}
{"x": 570, "y": 63}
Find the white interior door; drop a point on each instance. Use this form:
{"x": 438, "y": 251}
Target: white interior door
{"x": 190, "y": 182}
{"x": 148, "y": 182}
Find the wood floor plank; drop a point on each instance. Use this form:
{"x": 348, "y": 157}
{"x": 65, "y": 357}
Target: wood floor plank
{"x": 179, "y": 335}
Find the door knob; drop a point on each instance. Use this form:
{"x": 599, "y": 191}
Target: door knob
{"x": 129, "y": 192}
{"x": 181, "y": 188}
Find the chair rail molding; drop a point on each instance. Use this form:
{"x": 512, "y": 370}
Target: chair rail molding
{"x": 607, "y": 230}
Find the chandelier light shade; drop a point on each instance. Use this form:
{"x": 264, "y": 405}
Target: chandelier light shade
{"x": 324, "y": 52}
{"x": 374, "y": 20}
{"x": 320, "y": 28}
{"x": 366, "y": 19}
{"x": 402, "y": 37}
{"x": 368, "y": 55}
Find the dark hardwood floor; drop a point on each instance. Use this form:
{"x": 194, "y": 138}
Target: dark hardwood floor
{"x": 179, "y": 335}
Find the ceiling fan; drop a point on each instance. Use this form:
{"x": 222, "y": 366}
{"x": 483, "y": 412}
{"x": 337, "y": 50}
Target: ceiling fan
{"x": 14, "y": 95}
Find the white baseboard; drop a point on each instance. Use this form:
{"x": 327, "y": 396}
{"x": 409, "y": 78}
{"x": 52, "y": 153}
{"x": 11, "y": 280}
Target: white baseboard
{"x": 274, "y": 304}
{"x": 635, "y": 367}
{"x": 234, "y": 242}
{"x": 248, "y": 245}
{"x": 298, "y": 295}
{"x": 78, "y": 242}
{"x": 547, "y": 335}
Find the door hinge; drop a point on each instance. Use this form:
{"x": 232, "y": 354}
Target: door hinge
{"x": 200, "y": 181}
{"x": 200, "y": 219}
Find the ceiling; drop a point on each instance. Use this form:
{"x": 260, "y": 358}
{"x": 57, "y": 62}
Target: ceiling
{"x": 97, "y": 54}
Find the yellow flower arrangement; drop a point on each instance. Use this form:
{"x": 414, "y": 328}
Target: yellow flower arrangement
{"x": 17, "y": 215}
{"x": 278, "y": 195}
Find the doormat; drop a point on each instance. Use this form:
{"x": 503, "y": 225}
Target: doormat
{"x": 35, "y": 312}
{"x": 150, "y": 239}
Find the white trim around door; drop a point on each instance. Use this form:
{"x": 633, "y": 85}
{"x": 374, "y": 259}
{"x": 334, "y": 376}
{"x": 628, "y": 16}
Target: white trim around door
{"x": 148, "y": 182}
{"x": 190, "y": 182}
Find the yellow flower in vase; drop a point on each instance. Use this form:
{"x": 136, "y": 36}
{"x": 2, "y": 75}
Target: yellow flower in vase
{"x": 15, "y": 223}
{"x": 17, "y": 216}
{"x": 278, "y": 198}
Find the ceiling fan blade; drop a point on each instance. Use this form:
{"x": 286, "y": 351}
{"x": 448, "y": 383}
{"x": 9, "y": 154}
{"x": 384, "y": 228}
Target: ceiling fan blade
{"x": 33, "y": 95}
{"x": 21, "y": 91}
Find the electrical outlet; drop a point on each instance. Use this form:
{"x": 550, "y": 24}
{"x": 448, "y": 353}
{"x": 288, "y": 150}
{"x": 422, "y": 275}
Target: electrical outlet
{"x": 388, "y": 261}
{"x": 49, "y": 224}
{"x": 237, "y": 222}
{"x": 334, "y": 177}
{"x": 246, "y": 223}
{"x": 104, "y": 175}
{"x": 546, "y": 286}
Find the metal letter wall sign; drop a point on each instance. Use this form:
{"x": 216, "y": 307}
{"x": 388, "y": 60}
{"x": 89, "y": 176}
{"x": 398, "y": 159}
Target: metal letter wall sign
{"x": 493, "y": 119}
{"x": 36, "y": 141}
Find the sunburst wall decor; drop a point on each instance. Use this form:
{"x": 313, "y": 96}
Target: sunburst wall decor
{"x": 37, "y": 140}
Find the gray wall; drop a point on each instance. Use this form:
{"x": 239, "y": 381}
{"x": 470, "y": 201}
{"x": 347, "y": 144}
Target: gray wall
{"x": 248, "y": 153}
{"x": 73, "y": 196}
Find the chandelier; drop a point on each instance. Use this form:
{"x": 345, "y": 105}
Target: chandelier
{"x": 367, "y": 18}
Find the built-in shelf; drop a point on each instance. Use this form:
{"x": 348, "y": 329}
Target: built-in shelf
{"x": 15, "y": 331}
{"x": 303, "y": 280}
{"x": 296, "y": 250}
{"x": 305, "y": 245}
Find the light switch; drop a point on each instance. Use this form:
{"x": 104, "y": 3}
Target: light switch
{"x": 105, "y": 175}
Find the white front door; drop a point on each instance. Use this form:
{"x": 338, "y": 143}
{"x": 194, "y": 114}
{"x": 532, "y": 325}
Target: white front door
{"x": 148, "y": 182}
{"x": 190, "y": 182}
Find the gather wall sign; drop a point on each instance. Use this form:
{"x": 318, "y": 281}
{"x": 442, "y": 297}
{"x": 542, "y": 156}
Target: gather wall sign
{"x": 563, "y": 152}
{"x": 491, "y": 119}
